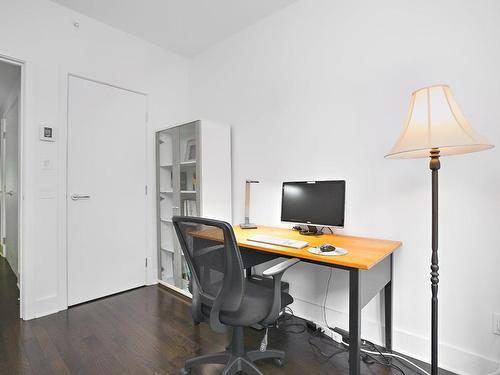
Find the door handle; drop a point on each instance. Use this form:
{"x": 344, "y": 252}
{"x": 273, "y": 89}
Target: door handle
{"x": 77, "y": 197}
{"x": 10, "y": 193}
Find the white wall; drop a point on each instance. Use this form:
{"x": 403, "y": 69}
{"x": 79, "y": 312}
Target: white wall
{"x": 320, "y": 91}
{"x": 42, "y": 34}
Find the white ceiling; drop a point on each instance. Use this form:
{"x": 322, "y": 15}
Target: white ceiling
{"x": 10, "y": 78}
{"x": 187, "y": 27}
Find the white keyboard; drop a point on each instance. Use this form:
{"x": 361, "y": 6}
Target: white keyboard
{"x": 296, "y": 244}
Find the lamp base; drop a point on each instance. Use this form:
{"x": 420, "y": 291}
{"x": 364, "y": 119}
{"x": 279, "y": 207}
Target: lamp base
{"x": 248, "y": 226}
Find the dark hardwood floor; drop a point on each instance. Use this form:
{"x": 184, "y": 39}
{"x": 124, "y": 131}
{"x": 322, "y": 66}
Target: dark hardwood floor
{"x": 143, "y": 331}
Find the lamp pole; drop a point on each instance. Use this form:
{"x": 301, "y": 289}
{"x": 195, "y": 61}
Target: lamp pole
{"x": 434, "y": 166}
{"x": 247, "y": 224}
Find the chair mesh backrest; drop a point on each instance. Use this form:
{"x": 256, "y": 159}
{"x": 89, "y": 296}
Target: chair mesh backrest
{"x": 213, "y": 258}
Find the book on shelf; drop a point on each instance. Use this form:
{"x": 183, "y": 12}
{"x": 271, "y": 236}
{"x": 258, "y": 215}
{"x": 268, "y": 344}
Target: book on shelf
{"x": 190, "y": 207}
{"x": 186, "y": 273}
{"x": 183, "y": 181}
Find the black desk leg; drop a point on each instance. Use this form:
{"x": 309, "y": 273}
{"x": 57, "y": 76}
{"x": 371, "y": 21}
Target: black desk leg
{"x": 354, "y": 323}
{"x": 388, "y": 311}
{"x": 388, "y": 315}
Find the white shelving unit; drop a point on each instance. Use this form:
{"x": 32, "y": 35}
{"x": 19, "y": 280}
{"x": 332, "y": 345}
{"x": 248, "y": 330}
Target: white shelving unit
{"x": 193, "y": 179}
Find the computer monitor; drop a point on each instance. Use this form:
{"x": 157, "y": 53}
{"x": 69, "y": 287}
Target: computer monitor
{"x": 314, "y": 203}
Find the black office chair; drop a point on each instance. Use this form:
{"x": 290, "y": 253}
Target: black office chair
{"x": 223, "y": 297}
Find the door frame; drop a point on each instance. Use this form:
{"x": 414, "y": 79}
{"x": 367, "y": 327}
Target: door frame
{"x": 20, "y": 182}
{"x": 65, "y": 75}
{"x": 3, "y": 126}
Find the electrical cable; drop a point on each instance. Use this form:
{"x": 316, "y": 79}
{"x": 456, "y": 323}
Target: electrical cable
{"x": 285, "y": 326}
{"x": 326, "y": 297}
{"x": 321, "y": 230}
{"x": 318, "y": 350}
{"x": 282, "y": 327}
{"x": 374, "y": 347}
{"x": 389, "y": 364}
{"x": 386, "y": 364}
{"x": 391, "y": 355}
{"x": 388, "y": 361}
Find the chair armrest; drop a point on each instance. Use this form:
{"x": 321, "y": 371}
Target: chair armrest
{"x": 277, "y": 272}
{"x": 280, "y": 267}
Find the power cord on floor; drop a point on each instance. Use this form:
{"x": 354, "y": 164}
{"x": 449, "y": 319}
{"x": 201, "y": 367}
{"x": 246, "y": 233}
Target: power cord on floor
{"x": 387, "y": 360}
{"x": 287, "y": 315}
{"x": 325, "y": 357}
{"x": 293, "y": 328}
{"x": 386, "y": 354}
{"x": 368, "y": 359}
{"x": 378, "y": 352}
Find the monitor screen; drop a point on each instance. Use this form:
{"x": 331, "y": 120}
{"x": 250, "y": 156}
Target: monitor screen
{"x": 314, "y": 202}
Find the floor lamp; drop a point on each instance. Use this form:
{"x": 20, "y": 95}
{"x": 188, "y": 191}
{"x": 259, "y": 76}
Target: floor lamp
{"x": 435, "y": 127}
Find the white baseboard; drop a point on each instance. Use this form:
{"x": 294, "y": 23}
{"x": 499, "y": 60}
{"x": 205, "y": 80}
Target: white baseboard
{"x": 174, "y": 288}
{"x": 456, "y": 360}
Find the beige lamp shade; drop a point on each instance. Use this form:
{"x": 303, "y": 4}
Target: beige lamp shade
{"x": 435, "y": 122}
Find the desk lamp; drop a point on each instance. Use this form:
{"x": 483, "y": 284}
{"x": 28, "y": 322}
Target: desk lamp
{"x": 247, "y": 224}
{"x": 435, "y": 127}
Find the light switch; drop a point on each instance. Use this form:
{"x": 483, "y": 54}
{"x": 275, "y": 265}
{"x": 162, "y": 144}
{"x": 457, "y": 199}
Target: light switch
{"x": 47, "y": 164}
{"x": 47, "y": 133}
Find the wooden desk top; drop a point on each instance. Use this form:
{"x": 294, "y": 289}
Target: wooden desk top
{"x": 363, "y": 254}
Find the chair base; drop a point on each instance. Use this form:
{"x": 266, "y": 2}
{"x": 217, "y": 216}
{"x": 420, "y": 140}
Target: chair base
{"x": 236, "y": 359}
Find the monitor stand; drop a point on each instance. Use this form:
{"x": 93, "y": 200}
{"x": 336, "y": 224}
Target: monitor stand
{"x": 311, "y": 231}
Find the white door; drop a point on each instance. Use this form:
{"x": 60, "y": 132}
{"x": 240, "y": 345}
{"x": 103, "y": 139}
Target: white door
{"x": 106, "y": 190}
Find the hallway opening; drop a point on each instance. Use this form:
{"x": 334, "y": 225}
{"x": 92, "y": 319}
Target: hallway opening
{"x": 10, "y": 115}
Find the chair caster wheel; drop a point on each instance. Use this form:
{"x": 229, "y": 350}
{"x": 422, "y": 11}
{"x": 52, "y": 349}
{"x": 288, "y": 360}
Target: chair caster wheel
{"x": 278, "y": 362}
{"x": 185, "y": 371}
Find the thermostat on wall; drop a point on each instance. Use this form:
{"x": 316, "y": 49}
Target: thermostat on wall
{"x": 47, "y": 133}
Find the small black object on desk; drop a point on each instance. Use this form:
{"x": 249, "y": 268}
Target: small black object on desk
{"x": 327, "y": 248}
{"x": 310, "y": 231}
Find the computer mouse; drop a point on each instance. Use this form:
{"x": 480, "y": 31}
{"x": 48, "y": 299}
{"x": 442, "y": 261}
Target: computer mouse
{"x": 327, "y": 248}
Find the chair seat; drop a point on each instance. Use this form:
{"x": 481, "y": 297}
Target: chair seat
{"x": 255, "y": 306}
